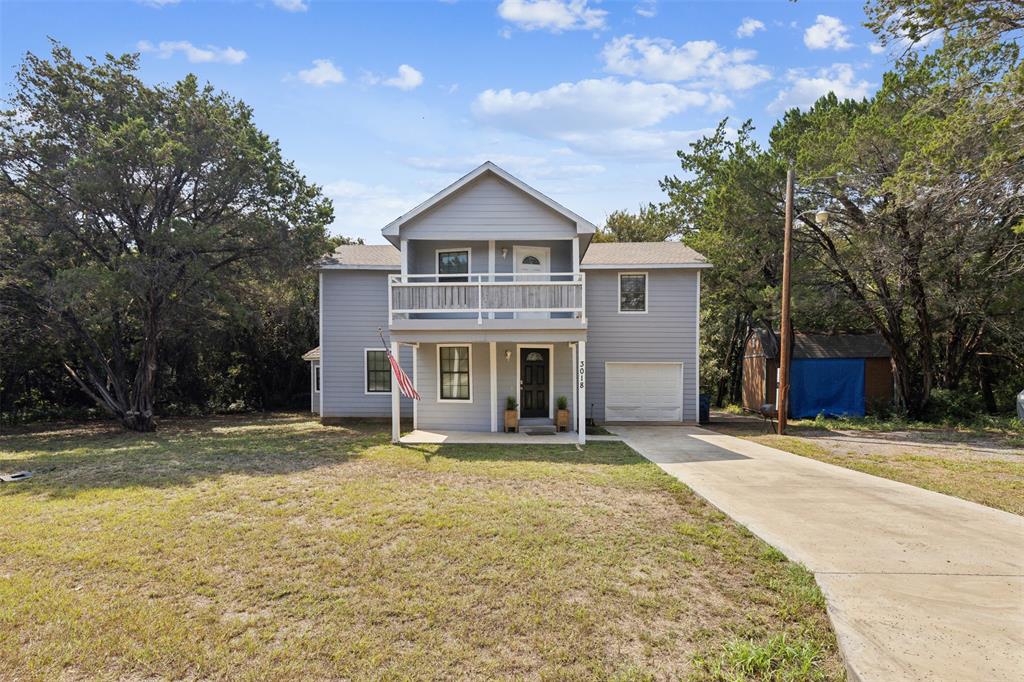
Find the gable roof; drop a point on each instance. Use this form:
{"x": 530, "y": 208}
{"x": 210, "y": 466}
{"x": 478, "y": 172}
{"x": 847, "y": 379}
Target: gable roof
{"x": 821, "y": 346}
{"x": 363, "y": 257}
{"x": 312, "y": 355}
{"x": 616, "y": 255}
{"x": 583, "y": 226}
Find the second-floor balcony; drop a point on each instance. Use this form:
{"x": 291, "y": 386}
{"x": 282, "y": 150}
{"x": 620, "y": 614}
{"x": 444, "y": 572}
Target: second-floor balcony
{"x": 488, "y": 296}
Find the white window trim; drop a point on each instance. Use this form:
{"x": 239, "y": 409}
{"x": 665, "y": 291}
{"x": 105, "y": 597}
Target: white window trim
{"x": 366, "y": 374}
{"x": 437, "y": 374}
{"x": 551, "y": 376}
{"x": 316, "y": 378}
{"x": 647, "y": 286}
{"x": 455, "y": 249}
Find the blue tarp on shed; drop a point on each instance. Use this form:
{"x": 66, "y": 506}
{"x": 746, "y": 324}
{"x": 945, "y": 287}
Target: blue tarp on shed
{"x": 834, "y": 387}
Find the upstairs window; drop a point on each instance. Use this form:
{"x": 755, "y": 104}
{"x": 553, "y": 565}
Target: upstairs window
{"x": 452, "y": 264}
{"x": 633, "y": 292}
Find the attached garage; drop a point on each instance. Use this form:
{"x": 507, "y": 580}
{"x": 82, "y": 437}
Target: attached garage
{"x": 643, "y": 391}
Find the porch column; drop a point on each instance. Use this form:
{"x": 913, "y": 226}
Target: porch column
{"x": 396, "y": 394}
{"x": 494, "y": 386}
{"x": 416, "y": 385}
{"x": 575, "y": 370}
{"x": 581, "y": 380}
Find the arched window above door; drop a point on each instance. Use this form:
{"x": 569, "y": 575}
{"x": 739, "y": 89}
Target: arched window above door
{"x": 531, "y": 260}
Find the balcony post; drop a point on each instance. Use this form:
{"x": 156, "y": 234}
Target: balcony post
{"x": 490, "y": 267}
{"x": 391, "y": 316}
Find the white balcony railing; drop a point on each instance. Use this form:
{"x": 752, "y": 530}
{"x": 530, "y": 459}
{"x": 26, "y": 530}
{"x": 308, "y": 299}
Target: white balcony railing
{"x": 487, "y": 295}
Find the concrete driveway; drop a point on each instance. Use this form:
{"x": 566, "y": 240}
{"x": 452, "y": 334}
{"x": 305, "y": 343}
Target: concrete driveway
{"x": 919, "y": 585}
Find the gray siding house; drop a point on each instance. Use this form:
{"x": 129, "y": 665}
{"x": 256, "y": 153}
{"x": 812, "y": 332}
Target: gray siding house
{"x": 490, "y": 290}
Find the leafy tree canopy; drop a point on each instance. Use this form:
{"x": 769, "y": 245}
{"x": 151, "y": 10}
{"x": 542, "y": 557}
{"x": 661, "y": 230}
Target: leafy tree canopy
{"x": 132, "y": 213}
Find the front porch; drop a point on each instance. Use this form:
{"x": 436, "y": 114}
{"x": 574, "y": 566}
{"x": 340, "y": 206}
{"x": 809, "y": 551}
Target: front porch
{"x": 426, "y": 437}
{"x": 465, "y": 380}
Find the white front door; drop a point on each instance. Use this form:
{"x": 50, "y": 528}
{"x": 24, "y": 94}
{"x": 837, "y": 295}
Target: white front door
{"x": 531, "y": 260}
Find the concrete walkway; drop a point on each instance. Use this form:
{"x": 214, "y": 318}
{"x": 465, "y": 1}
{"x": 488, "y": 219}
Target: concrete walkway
{"x": 920, "y": 586}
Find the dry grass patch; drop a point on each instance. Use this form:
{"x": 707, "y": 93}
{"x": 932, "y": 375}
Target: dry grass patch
{"x": 986, "y": 468}
{"x": 273, "y": 548}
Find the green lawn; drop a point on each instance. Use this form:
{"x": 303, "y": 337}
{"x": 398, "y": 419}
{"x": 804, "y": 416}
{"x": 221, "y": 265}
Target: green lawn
{"x": 270, "y": 547}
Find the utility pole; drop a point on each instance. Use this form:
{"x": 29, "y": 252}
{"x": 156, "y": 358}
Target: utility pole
{"x": 782, "y": 408}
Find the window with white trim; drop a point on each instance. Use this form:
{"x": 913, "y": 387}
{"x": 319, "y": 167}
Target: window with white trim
{"x": 633, "y": 292}
{"x": 378, "y": 371}
{"x": 453, "y": 373}
{"x": 450, "y": 264}
{"x": 316, "y": 379}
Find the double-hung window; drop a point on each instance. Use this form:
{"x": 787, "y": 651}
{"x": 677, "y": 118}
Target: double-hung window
{"x": 453, "y": 266}
{"x": 633, "y": 292}
{"x": 453, "y": 372}
{"x": 378, "y": 371}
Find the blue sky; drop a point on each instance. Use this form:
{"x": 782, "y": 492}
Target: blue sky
{"x": 385, "y": 103}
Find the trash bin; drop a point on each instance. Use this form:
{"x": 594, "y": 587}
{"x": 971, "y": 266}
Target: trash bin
{"x": 705, "y": 409}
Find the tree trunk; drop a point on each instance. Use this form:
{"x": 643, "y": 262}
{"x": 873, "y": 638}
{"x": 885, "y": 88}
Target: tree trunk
{"x": 140, "y": 416}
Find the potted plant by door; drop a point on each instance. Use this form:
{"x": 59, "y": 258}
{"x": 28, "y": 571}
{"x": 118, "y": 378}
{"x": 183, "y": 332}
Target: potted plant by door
{"x": 511, "y": 414}
{"x": 562, "y": 416}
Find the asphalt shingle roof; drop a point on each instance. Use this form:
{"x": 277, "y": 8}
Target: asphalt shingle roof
{"x": 641, "y": 253}
{"x": 371, "y": 255}
{"x": 817, "y": 346}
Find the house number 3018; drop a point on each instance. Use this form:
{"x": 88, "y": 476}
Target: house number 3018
{"x": 583, "y": 372}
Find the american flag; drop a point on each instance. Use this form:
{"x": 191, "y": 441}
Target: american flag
{"x": 404, "y": 382}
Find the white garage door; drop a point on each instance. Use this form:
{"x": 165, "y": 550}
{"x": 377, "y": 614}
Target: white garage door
{"x": 643, "y": 391}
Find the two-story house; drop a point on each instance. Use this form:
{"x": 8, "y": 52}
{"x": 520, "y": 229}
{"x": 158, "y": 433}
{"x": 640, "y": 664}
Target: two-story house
{"x": 490, "y": 290}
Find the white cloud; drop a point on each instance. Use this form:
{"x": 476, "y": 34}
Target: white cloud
{"x": 292, "y": 5}
{"x": 805, "y": 88}
{"x": 587, "y": 104}
{"x": 700, "y": 61}
{"x": 323, "y": 72}
{"x": 408, "y": 78}
{"x": 552, "y": 15}
{"x": 607, "y": 116}
{"x": 640, "y": 145}
{"x": 749, "y": 27}
{"x": 361, "y": 210}
{"x": 876, "y": 48}
{"x": 827, "y": 32}
{"x": 197, "y": 55}
{"x": 527, "y": 167}
{"x": 647, "y": 8}
{"x": 158, "y": 3}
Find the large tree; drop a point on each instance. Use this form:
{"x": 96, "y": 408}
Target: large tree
{"x": 131, "y": 211}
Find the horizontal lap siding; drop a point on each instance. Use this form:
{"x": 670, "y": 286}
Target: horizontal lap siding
{"x": 492, "y": 208}
{"x": 476, "y": 416}
{"x": 666, "y": 333}
{"x": 355, "y": 305}
{"x": 454, "y": 416}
